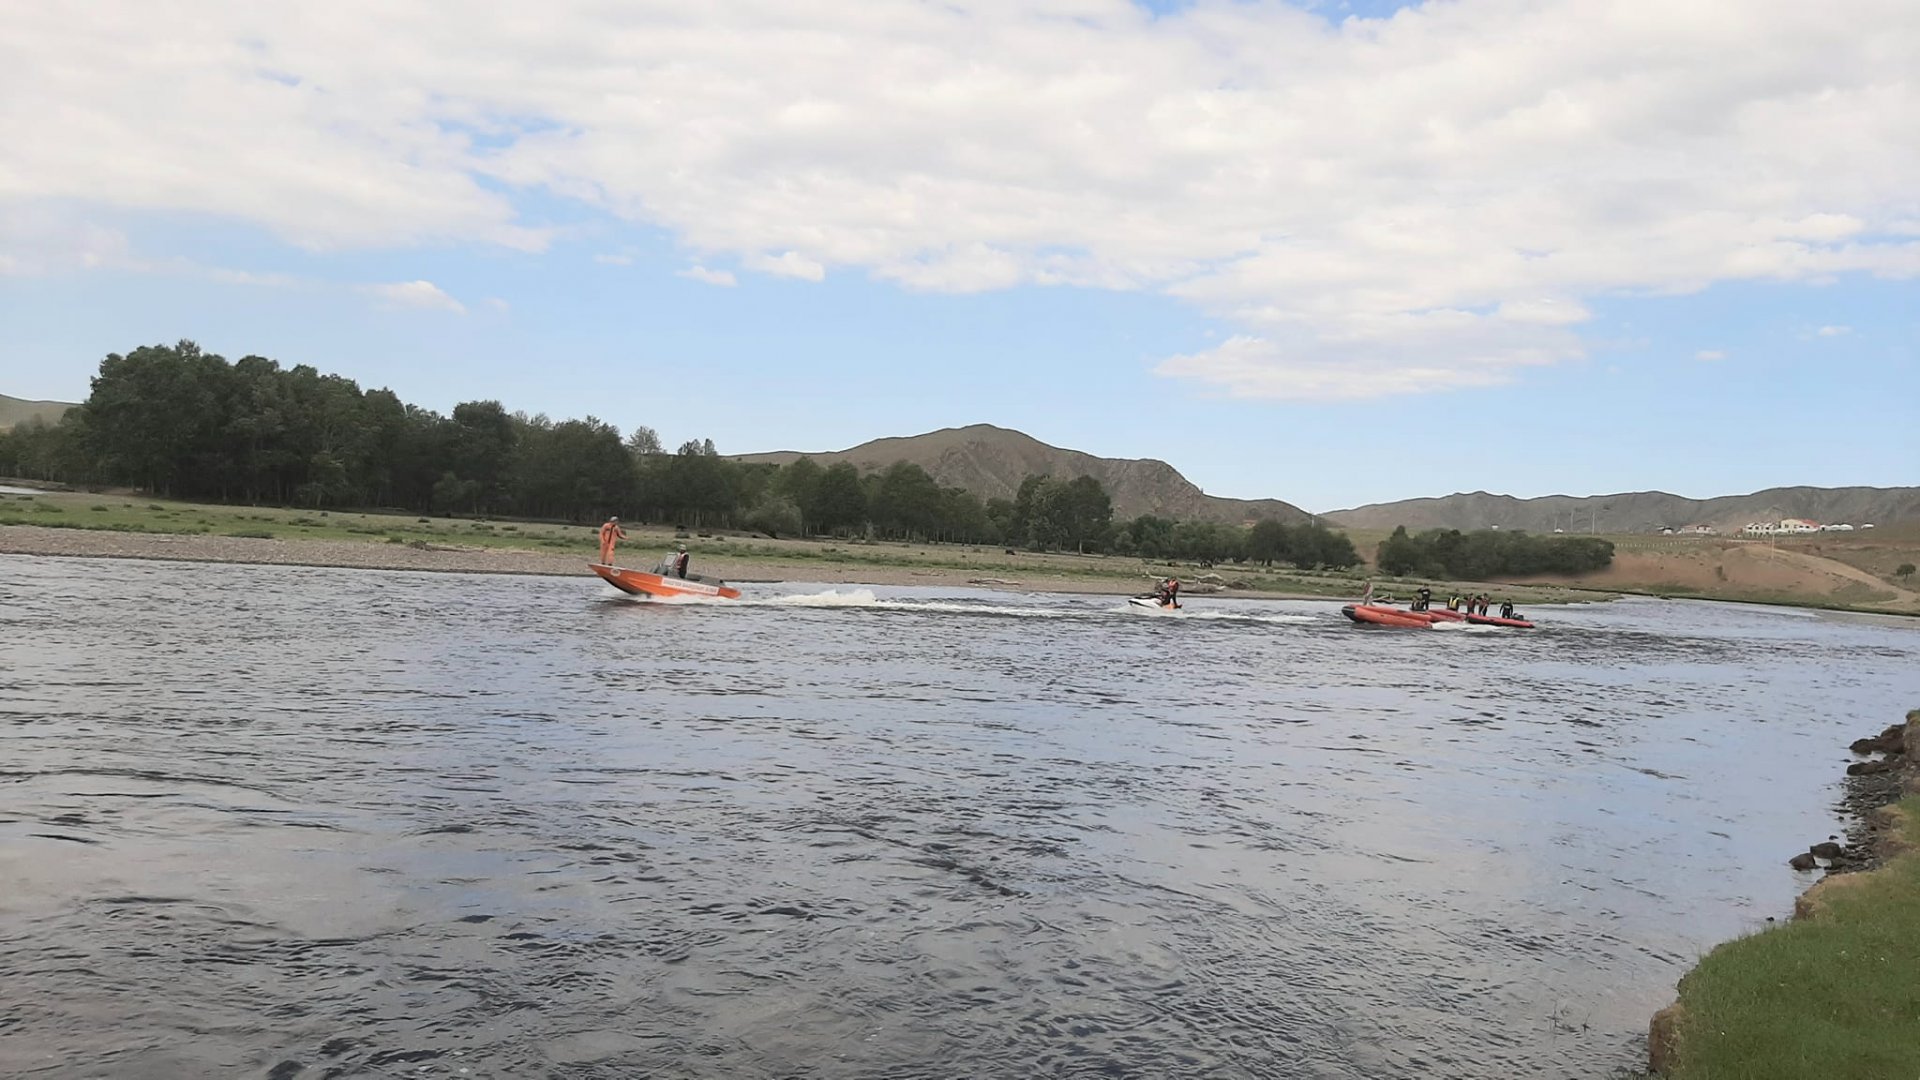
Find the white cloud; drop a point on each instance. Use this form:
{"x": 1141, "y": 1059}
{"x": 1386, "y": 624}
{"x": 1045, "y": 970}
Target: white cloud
{"x": 1379, "y": 206}
{"x": 787, "y": 264}
{"x": 711, "y": 277}
{"x": 416, "y": 294}
{"x": 1834, "y": 331}
{"x": 1710, "y": 355}
{"x": 614, "y": 260}
{"x": 494, "y": 303}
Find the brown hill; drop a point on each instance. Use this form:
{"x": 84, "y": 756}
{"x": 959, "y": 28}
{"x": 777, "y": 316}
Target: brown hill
{"x": 19, "y": 411}
{"x": 992, "y": 461}
{"x": 1638, "y": 511}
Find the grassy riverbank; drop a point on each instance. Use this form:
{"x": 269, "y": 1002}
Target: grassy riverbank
{"x": 237, "y": 534}
{"x": 1832, "y": 995}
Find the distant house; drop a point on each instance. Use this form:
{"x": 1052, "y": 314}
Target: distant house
{"x": 1697, "y": 530}
{"x": 1798, "y": 525}
{"x": 1842, "y": 527}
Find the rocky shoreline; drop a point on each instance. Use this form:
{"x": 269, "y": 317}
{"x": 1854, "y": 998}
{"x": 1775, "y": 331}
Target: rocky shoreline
{"x": 1888, "y": 772}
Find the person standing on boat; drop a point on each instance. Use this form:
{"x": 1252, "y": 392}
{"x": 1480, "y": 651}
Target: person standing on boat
{"x": 680, "y": 563}
{"x": 1506, "y": 609}
{"x": 1422, "y": 599}
{"x": 610, "y": 534}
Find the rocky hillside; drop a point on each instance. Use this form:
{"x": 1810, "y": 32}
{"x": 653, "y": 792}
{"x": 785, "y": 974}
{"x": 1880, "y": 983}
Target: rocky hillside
{"x": 18, "y": 411}
{"x": 991, "y": 461}
{"x": 1638, "y": 511}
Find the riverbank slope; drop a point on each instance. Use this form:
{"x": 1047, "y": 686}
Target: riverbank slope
{"x": 1832, "y": 995}
{"x": 138, "y": 527}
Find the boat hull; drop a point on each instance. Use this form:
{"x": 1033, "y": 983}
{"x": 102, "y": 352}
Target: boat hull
{"x": 1375, "y": 615}
{"x": 1148, "y": 603}
{"x": 642, "y": 583}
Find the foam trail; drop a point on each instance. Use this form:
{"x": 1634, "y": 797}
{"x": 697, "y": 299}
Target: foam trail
{"x": 1212, "y": 615}
{"x": 831, "y": 598}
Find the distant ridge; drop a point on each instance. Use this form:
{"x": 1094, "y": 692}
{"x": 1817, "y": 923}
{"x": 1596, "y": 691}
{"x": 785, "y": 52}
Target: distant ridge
{"x": 15, "y": 410}
{"x": 991, "y": 462}
{"x": 1638, "y": 511}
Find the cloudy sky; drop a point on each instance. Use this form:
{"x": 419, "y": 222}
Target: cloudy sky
{"x": 1332, "y": 253}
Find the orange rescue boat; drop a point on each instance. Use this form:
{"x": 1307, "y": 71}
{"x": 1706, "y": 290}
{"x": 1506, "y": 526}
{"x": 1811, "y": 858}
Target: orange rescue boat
{"x": 642, "y": 583}
{"x": 1381, "y": 615}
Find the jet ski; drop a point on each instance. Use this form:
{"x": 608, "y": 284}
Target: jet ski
{"x": 664, "y": 586}
{"x": 1150, "y": 602}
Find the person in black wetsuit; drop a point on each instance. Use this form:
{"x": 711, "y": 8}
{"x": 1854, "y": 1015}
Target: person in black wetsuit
{"x": 1422, "y": 599}
{"x": 1506, "y": 610}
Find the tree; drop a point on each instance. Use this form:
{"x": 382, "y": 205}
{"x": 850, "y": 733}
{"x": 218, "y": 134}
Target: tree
{"x": 840, "y": 501}
{"x": 1903, "y": 571}
{"x": 1268, "y": 542}
{"x": 1398, "y": 554}
{"x": 482, "y": 450}
{"x": 643, "y": 442}
{"x": 906, "y": 502}
{"x": 799, "y": 483}
{"x": 774, "y": 515}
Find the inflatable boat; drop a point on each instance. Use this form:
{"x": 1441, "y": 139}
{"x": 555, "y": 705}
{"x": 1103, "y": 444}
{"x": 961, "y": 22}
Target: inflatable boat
{"x": 1378, "y": 615}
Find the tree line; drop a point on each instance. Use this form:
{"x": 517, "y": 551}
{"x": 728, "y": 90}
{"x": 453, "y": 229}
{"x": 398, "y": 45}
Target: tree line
{"x": 185, "y": 423}
{"x": 1487, "y": 554}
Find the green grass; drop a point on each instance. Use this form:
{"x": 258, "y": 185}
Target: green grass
{"x": 1831, "y": 998}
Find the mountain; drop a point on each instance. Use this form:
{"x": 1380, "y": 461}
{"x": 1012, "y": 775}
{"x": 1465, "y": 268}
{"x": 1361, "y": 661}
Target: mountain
{"x": 17, "y": 411}
{"x": 992, "y": 461}
{"x": 1638, "y": 511}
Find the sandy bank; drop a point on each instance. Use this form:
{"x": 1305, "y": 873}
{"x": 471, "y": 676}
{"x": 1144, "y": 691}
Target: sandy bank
{"x": 454, "y": 558}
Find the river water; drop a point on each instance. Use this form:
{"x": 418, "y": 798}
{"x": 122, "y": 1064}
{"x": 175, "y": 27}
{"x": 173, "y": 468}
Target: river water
{"x": 322, "y": 823}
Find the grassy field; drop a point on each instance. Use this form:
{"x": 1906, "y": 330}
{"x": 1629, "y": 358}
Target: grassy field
{"x": 787, "y": 557}
{"x": 1835, "y": 997}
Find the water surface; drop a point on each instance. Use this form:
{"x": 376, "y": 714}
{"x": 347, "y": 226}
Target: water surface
{"x": 310, "y": 822}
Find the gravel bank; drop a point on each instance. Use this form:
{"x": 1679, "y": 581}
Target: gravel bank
{"x": 449, "y": 558}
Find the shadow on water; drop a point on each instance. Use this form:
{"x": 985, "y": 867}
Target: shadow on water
{"x": 331, "y": 823}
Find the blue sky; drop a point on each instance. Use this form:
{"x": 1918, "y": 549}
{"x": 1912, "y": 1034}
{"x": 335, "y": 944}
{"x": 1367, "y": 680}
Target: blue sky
{"x": 1301, "y": 255}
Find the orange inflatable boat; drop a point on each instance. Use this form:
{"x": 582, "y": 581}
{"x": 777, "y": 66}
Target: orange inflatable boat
{"x": 1379, "y": 615}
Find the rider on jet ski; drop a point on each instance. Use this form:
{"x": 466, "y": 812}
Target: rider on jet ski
{"x": 1168, "y": 592}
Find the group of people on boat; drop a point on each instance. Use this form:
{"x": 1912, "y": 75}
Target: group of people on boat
{"x": 1478, "y": 604}
{"x": 673, "y": 564}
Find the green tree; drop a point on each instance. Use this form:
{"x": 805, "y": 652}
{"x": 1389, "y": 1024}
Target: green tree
{"x": 1903, "y": 571}
{"x": 1398, "y": 554}
{"x": 775, "y": 515}
{"x": 840, "y": 501}
{"x": 799, "y": 483}
{"x": 1268, "y": 542}
{"x": 643, "y": 442}
{"x": 482, "y": 449}
{"x": 906, "y": 502}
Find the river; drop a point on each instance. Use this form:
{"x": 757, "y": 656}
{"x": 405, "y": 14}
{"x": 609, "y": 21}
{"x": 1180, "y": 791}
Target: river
{"x": 295, "y": 822}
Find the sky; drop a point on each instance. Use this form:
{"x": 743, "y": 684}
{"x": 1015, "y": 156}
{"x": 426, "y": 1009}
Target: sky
{"x": 1329, "y": 253}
